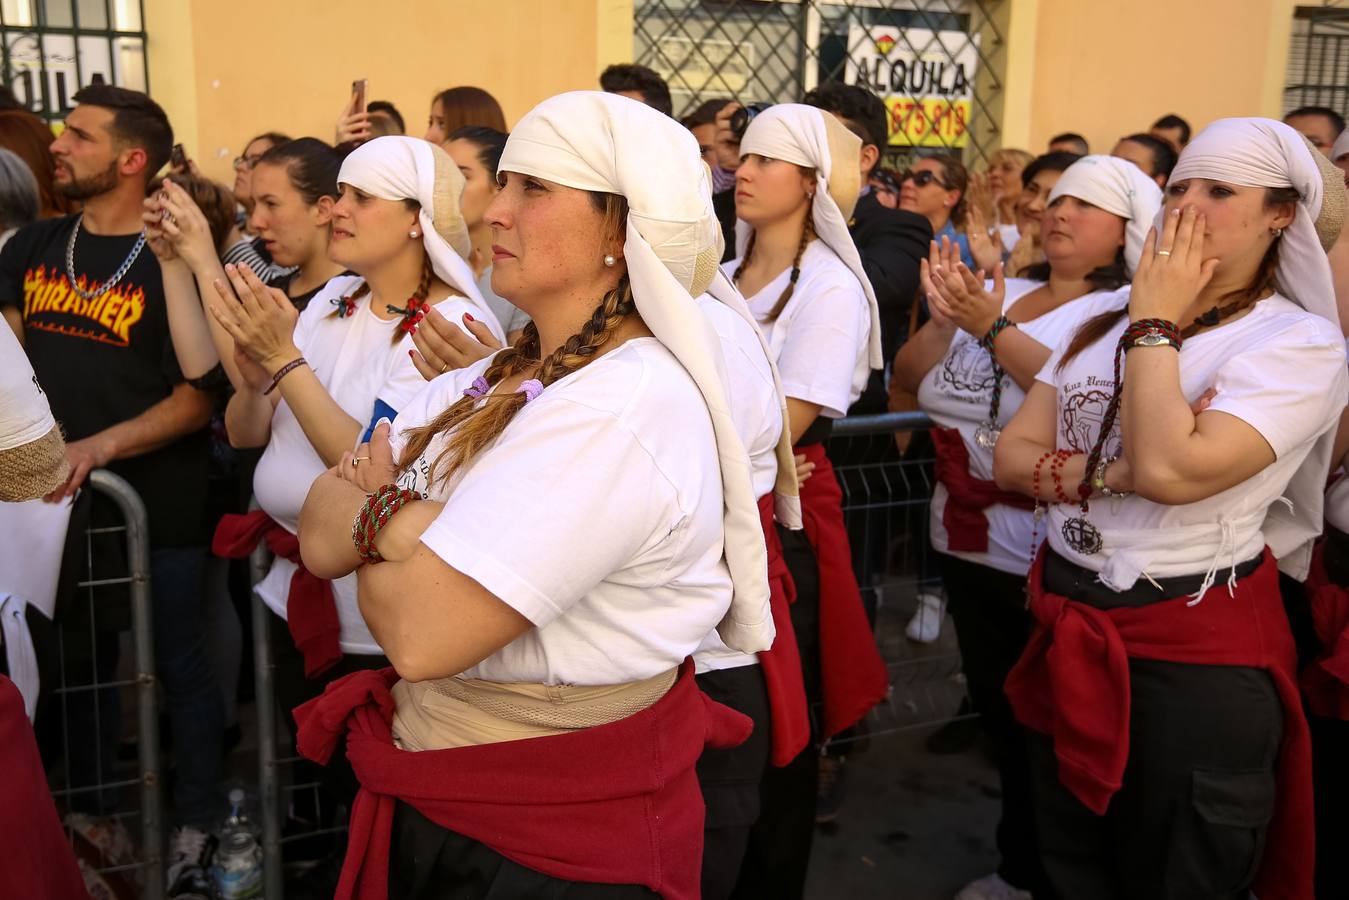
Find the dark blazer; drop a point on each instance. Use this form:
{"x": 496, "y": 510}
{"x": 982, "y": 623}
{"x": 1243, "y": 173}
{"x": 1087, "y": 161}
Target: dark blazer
{"x": 891, "y": 243}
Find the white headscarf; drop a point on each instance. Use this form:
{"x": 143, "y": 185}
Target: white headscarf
{"x": 1266, "y": 153}
{"x": 1119, "y": 187}
{"x": 595, "y": 141}
{"x": 1341, "y": 146}
{"x": 403, "y": 168}
{"x": 813, "y": 138}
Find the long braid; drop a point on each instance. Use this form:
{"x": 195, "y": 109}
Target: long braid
{"x": 744, "y": 260}
{"x": 472, "y": 426}
{"x": 418, "y": 299}
{"x": 807, "y": 235}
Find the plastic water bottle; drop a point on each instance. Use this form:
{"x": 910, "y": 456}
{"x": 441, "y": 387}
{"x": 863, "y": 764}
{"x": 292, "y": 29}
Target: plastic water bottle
{"x": 237, "y": 871}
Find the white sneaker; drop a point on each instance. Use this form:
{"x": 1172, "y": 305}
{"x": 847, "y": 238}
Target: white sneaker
{"x": 991, "y": 887}
{"x": 925, "y": 626}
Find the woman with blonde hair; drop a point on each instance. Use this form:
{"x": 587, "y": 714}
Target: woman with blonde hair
{"x": 552, "y": 532}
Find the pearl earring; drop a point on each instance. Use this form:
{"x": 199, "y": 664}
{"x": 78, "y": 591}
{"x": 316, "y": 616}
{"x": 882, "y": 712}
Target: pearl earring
{"x": 1277, "y": 232}
{"x": 413, "y": 234}
{"x": 609, "y": 260}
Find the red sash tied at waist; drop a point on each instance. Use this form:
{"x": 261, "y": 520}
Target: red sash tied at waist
{"x": 1325, "y": 683}
{"x": 1072, "y": 683}
{"x": 612, "y": 804}
{"x": 966, "y": 496}
{"x": 311, "y": 610}
{"x": 853, "y": 674}
{"x": 781, "y": 663}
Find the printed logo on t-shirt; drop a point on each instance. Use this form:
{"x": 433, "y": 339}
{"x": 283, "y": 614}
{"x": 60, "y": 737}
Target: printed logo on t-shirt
{"x": 416, "y": 477}
{"x": 1084, "y": 408}
{"x": 50, "y": 304}
{"x": 967, "y": 369}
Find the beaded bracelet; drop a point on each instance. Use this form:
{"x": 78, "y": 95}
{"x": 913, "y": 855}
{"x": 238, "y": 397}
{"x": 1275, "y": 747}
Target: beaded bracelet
{"x": 283, "y": 372}
{"x": 378, "y": 508}
{"x": 1056, "y": 474}
{"x": 1000, "y": 324}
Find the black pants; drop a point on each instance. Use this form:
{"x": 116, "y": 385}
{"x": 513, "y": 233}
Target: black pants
{"x": 988, "y": 608}
{"x": 427, "y": 862}
{"x": 292, "y": 688}
{"x": 779, "y": 843}
{"x": 1330, "y": 777}
{"x": 1199, "y": 789}
{"x": 730, "y": 778}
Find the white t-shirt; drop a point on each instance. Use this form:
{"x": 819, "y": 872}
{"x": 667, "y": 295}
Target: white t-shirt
{"x": 956, "y": 394}
{"x": 596, "y": 514}
{"x": 362, "y": 361}
{"x": 1279, "y": 368}
{"x": 758, "y": 421}
{"x": 25, "y": 414}
{"x": 820, "y": 341}
{"x": 1337, "y": 503}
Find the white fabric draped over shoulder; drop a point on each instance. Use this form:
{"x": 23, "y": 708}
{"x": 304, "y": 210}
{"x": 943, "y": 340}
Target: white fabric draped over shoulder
{"x": 1119, "y": 187}
{"x": 594, "y": 141}
{"x": 813, "y": 138}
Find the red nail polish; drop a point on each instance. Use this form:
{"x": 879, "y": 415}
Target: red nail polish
{"x": 469, "y": 316}
{"x": 410, "y": 356}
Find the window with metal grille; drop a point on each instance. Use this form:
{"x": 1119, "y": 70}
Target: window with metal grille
{"x": 52, "y": 48}
{"x": 1318, "y": 59}
{"x": 938, "y": 64}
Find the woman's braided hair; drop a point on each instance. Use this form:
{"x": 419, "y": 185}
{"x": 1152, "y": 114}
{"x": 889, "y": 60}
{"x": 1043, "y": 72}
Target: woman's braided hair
{"x": 807, "y": 235}
{"x": 472, "y": 424}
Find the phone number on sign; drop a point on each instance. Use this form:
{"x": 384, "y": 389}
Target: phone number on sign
{"x": 929, "y": 122}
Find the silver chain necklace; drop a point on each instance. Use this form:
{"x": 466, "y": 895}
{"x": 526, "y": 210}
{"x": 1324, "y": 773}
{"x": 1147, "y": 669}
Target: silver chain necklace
{"x": 111, "y": 282}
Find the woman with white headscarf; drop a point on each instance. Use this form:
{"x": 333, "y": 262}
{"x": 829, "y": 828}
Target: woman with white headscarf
{"x": 1174, "y": 760}
{"x": 555, "y": 530}
{"x": 803, "y": 280}
{"x": 970, "y": 366}
{"x": 313, "y": 381}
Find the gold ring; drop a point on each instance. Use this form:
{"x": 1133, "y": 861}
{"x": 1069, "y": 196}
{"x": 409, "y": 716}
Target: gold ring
{"x": 356, "y": 460}
{"x": 445, "y": 368}
{"x": 1163, "y": 252}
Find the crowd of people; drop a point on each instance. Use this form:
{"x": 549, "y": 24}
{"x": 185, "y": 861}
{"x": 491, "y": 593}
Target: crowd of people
{"x": 533, "y": 424}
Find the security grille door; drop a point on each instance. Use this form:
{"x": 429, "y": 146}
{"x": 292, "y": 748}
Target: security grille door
{"x": 1318, "y": 59}
{"x": 938, "y": 64}
{"x": 52, "y": 48}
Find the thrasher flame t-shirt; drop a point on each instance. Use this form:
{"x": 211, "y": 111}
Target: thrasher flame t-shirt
{"x": 107, "y": 360}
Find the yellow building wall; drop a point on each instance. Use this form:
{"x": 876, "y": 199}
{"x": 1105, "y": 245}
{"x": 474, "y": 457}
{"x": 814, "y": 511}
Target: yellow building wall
{"x": 227, "y": 71}
{"x": 1105, "y": 68}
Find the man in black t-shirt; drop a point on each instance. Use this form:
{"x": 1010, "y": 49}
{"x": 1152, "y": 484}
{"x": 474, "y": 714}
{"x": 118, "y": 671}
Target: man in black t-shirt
{"x": 85, "y": 296}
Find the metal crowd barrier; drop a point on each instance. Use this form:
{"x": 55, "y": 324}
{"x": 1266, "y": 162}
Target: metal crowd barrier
{"x": 886, "y": 497}
{"x": 281, "y": 782}
{"x": 128, "y": 793}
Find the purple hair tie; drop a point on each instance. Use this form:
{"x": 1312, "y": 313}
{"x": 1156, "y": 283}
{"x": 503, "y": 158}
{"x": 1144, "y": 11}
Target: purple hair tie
{"x": 531, "y": 389}
{"x": 479, "y": 389}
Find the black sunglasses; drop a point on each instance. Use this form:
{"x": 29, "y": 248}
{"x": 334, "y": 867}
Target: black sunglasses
{"x": 922, "y": 179}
